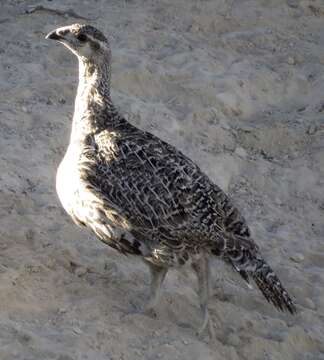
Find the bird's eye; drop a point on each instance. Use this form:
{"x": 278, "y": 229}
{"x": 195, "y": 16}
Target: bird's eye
{"x": 82, "y": 37}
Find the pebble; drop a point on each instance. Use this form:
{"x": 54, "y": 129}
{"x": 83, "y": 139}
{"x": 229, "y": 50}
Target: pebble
{"x": 291, "y": 60}
{"x": 65, "y": 357}
{"x": 77, "y": 330}
{"x": 50, "y": 263}
{"x": 30, "y": 235}
{"x": 311, "y": 130}
{"x": 81, "y": 270}
{"x": 196, "y": 28}
{"x": 241, "y": 152}
{"x": 24, "y": 337}
{"x": 292, "y": 3}
{"x": 32, "y": 268}
{"x": 233, "y": 340}
{"x": 111, "y": 269}
{"x": 298, "y": 258}
{"x": 4, "y": 246}
{"x": 310, "y": 304}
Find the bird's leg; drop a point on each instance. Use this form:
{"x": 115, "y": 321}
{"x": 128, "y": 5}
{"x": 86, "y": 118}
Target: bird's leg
{"x": 157, "y": 276}
{"x": 201, "y": 267}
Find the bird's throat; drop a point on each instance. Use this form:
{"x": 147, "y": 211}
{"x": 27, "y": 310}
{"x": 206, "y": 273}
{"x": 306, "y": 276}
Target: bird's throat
{"x": 94, "y": 79}
{"x": 93, "y": 105}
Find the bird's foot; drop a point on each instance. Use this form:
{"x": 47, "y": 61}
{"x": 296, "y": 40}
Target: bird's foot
{"x": 147, "y": 310}
{"x": 207, "y": 324}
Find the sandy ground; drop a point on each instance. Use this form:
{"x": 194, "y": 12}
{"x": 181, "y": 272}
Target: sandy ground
{"x": 238, "y": 86}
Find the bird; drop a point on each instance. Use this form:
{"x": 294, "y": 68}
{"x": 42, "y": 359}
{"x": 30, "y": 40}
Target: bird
{"x": 142, "y": 196}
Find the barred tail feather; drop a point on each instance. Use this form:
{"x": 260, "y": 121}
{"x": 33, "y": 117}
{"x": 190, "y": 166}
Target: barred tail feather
{"x": 243, "y": 255}
{"x": 271, "y": 287}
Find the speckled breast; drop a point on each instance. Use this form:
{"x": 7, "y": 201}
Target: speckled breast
{"x": 68, "y": 183}
{"x": 82, "y": 205}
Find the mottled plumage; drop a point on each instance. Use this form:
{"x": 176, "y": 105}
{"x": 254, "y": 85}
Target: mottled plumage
{"x": 142, "y": 196}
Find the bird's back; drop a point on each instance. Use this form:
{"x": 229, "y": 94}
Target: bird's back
{"x": 151, "y": 192}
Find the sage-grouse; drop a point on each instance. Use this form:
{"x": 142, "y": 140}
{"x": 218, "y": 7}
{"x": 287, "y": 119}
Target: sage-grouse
{"x": 142, "y": 196}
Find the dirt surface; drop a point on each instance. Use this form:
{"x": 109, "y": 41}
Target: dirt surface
{"x": 238, "y": 86}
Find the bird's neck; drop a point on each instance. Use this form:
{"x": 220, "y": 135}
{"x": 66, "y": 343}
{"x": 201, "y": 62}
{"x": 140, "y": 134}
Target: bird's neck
{"x": 94, "y": 109}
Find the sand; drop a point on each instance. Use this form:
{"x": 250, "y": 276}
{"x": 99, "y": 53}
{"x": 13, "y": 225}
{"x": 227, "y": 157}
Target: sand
{"x": 238, "y": 86}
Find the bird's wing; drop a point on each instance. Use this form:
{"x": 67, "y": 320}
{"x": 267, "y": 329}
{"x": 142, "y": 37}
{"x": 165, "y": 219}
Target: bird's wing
{"x": 155, "y": 190}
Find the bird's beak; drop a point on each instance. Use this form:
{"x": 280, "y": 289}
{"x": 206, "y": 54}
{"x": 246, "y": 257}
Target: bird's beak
{"x": 53, "y": 35}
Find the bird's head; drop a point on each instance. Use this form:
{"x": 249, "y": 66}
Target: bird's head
{"x": 85, "y": 41}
